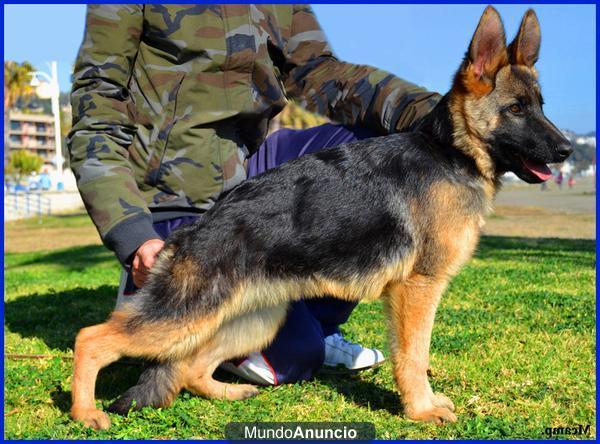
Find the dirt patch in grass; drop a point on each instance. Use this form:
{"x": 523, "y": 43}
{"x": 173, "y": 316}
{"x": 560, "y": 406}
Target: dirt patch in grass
{"x": 49, "y": 233}
{"x": 525, "y": 210}
{"x": 528, "y": 221}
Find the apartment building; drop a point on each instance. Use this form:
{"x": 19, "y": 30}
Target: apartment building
{"x": 33, "y": 132}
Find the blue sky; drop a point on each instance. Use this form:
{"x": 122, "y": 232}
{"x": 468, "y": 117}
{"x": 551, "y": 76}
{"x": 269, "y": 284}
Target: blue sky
{"x": 421, "y": 43}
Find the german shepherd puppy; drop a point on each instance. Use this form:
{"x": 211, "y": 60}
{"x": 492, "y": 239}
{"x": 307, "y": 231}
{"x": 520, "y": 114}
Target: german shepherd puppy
{"x": 392, "y": 217}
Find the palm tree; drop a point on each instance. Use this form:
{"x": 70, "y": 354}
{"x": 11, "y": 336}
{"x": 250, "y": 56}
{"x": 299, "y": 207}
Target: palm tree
{"x": 17, "y": 79}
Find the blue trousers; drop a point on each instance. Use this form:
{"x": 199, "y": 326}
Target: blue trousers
{"x": 298, "y": 350}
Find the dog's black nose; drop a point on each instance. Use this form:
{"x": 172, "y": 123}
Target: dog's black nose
{"x": 564, "y": 150}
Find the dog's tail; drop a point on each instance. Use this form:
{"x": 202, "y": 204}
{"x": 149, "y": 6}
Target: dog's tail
{"x": 157, "y": 387}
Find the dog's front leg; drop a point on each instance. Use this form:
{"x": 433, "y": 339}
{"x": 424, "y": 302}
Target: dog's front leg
{"x": 412, "y": 306}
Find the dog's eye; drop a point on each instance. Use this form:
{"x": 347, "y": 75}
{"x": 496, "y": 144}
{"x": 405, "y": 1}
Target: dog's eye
{"x": 515, "y": 108}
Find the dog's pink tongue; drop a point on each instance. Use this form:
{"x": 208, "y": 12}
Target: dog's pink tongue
{"x": 541, "y": 170}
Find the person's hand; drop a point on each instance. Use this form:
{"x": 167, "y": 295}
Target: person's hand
{"x": 144, "y": 259}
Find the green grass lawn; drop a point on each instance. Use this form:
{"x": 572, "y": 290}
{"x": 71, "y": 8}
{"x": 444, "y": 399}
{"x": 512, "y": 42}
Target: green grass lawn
{"x": 513, "y": 346}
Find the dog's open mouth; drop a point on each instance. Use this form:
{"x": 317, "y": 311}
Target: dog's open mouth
{"x": 538, "y": 169}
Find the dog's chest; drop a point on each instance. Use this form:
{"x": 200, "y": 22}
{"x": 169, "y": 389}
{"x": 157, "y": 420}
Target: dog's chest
{"x": 447, "y": 221}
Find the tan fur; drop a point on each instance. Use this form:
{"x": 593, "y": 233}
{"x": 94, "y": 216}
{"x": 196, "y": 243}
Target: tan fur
{"x": 457, "y": 228}
{"x": 233, "y": 340}
{"x": 411, "y": 307}
{"x": 468, "y": 139}
{"x": 480, "y": 86}
{"x": 94, "y": 349}
{"x": 186, "y": 274}
{"x": 475, "y": 85}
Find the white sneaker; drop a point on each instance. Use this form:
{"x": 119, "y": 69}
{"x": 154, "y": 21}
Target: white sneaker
{"x": 340, "y": 352}
{"x": 255, "y": 368}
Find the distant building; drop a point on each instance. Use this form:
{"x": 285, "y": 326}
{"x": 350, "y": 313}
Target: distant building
{"x": 33, "y": 132}
{"x": 586, "y": 140}
{"x": 581, "y": 139}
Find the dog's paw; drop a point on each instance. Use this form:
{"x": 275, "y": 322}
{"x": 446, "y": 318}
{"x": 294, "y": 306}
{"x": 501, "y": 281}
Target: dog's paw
{"x": 437, "y": 415}
{"x": 239, "y": 392}
{"x": 94, "y": 418}
{"x": 440, "y": 400}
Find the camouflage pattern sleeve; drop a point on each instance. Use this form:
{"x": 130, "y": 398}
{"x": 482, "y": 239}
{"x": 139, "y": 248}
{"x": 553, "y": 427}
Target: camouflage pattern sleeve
{"x": 344, "y": 92}
{"x": 103, "y": 128}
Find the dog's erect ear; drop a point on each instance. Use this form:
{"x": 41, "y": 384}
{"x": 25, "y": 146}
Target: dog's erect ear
{"x": 525, "y": 48}
{"x": 487, "y": 53}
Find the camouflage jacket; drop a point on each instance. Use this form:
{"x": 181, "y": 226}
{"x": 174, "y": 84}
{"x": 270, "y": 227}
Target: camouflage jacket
{"x": 169, "y": 100}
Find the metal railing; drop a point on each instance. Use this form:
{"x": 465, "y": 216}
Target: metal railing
{"x": 22, "y": 204}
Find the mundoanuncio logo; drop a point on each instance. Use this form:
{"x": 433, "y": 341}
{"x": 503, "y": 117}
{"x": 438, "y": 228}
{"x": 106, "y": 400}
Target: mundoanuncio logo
{"x": 300, "y": 431}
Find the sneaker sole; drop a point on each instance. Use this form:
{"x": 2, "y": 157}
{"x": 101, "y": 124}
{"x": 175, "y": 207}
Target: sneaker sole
{"x": 340, "y": 369}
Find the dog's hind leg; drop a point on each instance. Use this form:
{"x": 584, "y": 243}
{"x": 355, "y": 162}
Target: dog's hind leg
{"x": 157, "y": 386}
{"x": 100, "y": 345}
{"x": 412, "y": 306}
{"x": 203, "y": 384}
{"x": 238, "y": 337}
{"x": 160, "y": 383}
{"x": 95, "y": 348}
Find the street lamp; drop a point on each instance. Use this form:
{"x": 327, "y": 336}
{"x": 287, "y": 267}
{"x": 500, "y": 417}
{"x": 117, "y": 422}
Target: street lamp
{"x": 49, "y": 89}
